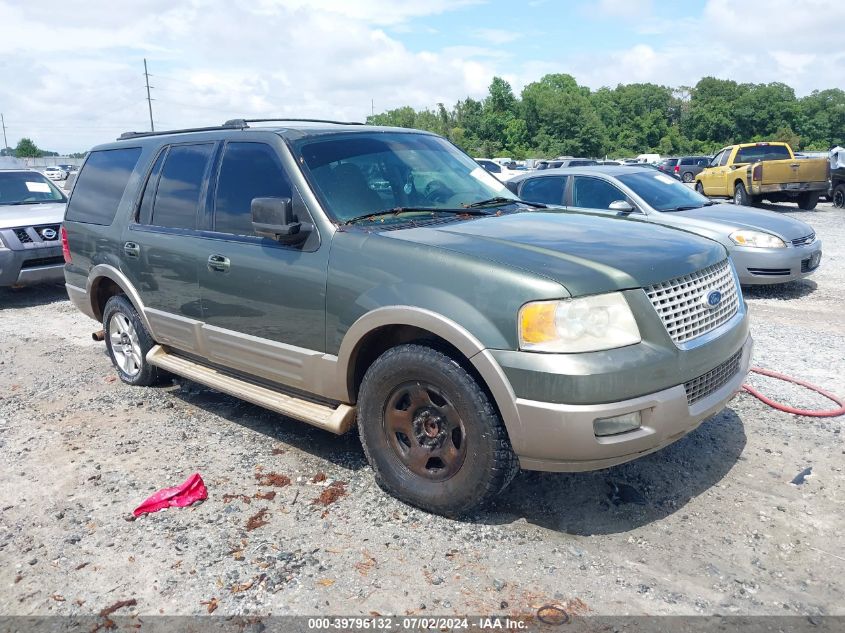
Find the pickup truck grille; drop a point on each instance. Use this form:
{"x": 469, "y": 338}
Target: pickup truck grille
{"x": 680, "y": 302}
{"x": 803, "y": 241}
{"x": 22, "y": 236}
{"x": 713, "y": 380}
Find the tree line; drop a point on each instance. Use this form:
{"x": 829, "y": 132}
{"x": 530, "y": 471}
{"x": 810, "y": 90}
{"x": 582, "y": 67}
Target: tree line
{"x": 556, "y": 117}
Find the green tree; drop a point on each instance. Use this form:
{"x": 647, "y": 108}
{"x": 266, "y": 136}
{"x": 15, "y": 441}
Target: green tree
{"x": 26, "y": 148}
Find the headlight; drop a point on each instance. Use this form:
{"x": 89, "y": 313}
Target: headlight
{"x": 757, "y": 239}
{"x": 587, "y": 324}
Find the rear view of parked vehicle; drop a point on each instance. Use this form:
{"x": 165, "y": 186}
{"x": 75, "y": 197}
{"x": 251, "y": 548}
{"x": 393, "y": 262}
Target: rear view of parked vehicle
{"x": 688, "y": 167}
{"x": 346, "y": 274}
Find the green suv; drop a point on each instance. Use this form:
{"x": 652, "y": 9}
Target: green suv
{"x": 344, "y": 274}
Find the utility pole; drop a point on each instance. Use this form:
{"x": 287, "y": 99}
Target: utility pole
{"x": 149, "y": 99}
{"x": 373, "y": 106}
{"x": 3, "y": 123}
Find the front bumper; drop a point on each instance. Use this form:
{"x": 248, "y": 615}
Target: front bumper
{"x": 31, "y": 266}
{"x": 560, "y": 437}
{"x": 756, "y": 266}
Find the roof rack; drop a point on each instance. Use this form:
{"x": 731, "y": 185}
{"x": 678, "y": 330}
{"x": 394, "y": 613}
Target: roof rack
{"x": 243, "y": 123}
{"x": 226, "y": 125}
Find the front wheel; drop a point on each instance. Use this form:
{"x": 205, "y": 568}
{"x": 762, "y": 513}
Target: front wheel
{"x": 740, "y": 194}
{"x": 808, "y": 201}
{"x": 430, "y": 432}
{"x": 839, "y": 196}
{"x": 687, "y": 177}
{"x": 128, "y": 342}
{"x": 699, "y": 188}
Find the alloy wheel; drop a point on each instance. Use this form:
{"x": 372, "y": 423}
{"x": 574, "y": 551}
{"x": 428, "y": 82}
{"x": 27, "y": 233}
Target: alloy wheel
{"x": 125, "y": 345}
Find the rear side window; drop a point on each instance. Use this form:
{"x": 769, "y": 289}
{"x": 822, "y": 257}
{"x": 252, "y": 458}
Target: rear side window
{"x": 592, "y": 193}
{"x": 180, "y": 186}
{"x": 100, "y": 185}
{"x": 249, "y": 170}
{"x": 544, "y": 190}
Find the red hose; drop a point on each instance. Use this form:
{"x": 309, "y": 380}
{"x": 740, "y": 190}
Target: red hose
{"x": 787, "y": 408}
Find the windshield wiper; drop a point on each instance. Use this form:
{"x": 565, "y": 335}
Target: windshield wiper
{"x": 397, "y": 210}
{"x": 687, "y": 207}
{"x": 24, "y": 202}
{"x": 490, "y": 202}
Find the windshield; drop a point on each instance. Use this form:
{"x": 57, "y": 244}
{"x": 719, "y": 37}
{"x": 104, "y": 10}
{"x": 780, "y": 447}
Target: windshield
{"x": 26, "y": 187}
{"x": 361, "y": 173}
{"x": 662, "y": 192}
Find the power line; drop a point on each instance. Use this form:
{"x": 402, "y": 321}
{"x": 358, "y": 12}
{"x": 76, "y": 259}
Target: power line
{"x": 149, "y": 99}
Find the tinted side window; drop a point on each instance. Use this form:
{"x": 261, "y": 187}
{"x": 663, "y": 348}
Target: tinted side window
{"x": 145, "y": 211}
{"x": 725, "y": 156}
{"x": 249, "y": 170}
{"x": 544, "y": 190}
{"x": 180, "y": 186}
{"x": 592, "y": 193}
{"x": 100, "y": 185}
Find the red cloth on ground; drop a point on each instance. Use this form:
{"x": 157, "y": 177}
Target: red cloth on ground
{"x": 191, "y": 491}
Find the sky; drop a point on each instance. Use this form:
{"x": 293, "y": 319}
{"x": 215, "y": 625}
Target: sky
{"x": 71, "y": 73}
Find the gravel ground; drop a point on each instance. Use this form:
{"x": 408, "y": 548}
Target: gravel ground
{"x": 712, "y": 524}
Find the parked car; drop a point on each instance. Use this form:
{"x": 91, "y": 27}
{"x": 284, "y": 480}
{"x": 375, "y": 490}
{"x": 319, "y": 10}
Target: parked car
{"x": 689, "y": 167}
{"x": 55, "y": 173}
{"x": 566, "y": 162}
{"x": 465, "y": 334}
{"x": 766, "y": 247}
{"x": 502, "y": 172}
{"x": 652, "y": 159}
{"x": 753, "y": 172}
{"x": 31, "y": 212}
{"x": 608, "y": 162}
{"x": 68, "y": 168}
{"x": 836, "y": 191}
{"x": 667, "y": 165}
{"x": 652, "y": 166}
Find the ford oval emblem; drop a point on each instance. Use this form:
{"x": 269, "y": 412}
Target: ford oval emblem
{"x": 712, "y": 299}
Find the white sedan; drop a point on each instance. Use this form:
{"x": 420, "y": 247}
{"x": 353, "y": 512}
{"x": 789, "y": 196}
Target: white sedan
{"x": 55, "y": 173}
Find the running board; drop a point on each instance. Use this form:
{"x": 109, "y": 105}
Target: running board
{"x": 337, "y": 420}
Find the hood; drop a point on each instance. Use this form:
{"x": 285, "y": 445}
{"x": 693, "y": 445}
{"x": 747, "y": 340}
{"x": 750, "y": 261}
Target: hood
{"x": 12, "y": 216}
{"x": 586, "y": 254}
{"x": 726, "y": 218}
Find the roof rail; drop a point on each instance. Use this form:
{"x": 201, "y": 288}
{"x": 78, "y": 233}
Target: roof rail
{"x": 226, "y": 125}
{"x": 244, "y": 123}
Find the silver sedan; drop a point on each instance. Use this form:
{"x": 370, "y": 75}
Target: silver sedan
{"x": 766, "y": 247}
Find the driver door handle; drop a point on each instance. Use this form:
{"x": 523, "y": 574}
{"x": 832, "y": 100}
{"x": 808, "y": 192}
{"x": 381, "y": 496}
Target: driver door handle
{"x": 131, "y": 249}
{"x": 218, "y": 264}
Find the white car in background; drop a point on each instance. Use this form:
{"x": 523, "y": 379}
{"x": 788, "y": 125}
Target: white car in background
{"x": 55, "y": 173}
{"x": 499, "y": 171}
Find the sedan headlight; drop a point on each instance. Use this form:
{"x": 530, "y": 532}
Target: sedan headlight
{"x": 757, "y": 239}
{"x": 587, "y": 324}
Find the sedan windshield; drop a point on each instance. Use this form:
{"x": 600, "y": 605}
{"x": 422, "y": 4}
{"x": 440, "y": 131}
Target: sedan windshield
{"x": 23, "y": 187}
{"x": 664, "y": 193}
{"x": 365, "y": 173}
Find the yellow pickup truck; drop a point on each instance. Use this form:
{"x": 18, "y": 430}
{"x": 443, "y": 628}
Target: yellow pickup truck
{"x": 752, "y": 172}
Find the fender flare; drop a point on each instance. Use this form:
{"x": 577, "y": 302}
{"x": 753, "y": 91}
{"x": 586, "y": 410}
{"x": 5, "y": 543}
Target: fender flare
{"x": 106, "y": 271}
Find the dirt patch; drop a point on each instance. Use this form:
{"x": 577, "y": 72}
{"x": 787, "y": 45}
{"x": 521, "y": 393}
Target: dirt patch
{"x": 257, "y": 520}
{"x": 331, "y": 494}
{"x": 272, "y": 479}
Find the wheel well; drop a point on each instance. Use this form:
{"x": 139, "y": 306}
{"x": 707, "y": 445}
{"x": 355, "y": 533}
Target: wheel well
{"x": 377, "y": 342}
{"x": 739, "y": 181}
{"x": 101, "y": 291}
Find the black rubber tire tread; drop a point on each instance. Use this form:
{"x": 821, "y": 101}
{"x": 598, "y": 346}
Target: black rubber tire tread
{"x": 808, "y": 201}
{"x": 700, "y": 188}
{"x": 687, "y": 177}
{"x": 742, "y": 194}
{"x": 839, "y": 196}
{"x": 489, "y": 466}
{"x": 149, "y": 374}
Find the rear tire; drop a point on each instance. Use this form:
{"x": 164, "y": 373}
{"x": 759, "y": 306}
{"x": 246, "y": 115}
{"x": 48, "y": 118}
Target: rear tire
{"x": 740, "y": 195}
{"x": 128, "y": 342}
{"x": 431, "y": 434}
{"x": 687, "y": 177}
{"x": 839, "y": 196}
{"x": 808, "y": 201}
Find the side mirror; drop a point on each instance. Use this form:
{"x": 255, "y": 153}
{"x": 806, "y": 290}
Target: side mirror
{"x": 273, "y": 218}
{"x": 622, "y": 207}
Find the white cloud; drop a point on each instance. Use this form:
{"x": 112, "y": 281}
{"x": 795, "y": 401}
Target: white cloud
{"x": 496, "y": 36}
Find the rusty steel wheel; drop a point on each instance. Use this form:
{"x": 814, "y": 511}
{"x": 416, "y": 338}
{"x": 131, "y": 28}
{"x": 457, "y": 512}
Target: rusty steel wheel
{"x": 431, "y": 433}
{"x": 425, "y": 430}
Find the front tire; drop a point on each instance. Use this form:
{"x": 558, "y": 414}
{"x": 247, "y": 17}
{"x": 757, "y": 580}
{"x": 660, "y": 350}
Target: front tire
{"x": 431, "y": 434}
{"x": 128, "y": 342}
{"x": 700, "y": 188}
{"x": 687, "y": 177}
{"x": 740, "y": 195}
{"x": 808, "y": 201}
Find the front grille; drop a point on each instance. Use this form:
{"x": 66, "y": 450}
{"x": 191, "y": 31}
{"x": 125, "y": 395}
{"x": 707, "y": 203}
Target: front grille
{"x": 713, "y": 380}
{"x": 43, "y": 261}
{"x": 23, "y": 236}
{"x": 769, "y": 272}
{"x": 680, "y": 302}
{"x": 803, "y": 241}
